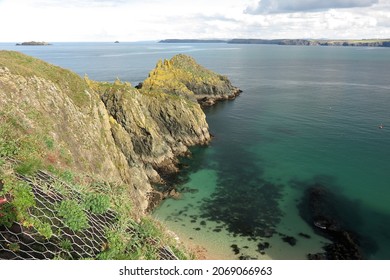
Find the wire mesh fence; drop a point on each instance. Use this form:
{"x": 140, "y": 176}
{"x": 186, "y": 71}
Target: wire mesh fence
{"x": 22, "y": 240}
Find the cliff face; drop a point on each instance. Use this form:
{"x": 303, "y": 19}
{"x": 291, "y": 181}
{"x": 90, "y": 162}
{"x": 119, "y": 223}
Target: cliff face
{"x": 107, "y": 132}
{"x": 71, "y": 117}
{"x": 154, "y": 128}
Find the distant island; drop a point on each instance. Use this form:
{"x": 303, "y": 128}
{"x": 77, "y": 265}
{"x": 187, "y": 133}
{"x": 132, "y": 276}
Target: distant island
{"x": 296, "y": 42}
{"x": 33, "y": 43}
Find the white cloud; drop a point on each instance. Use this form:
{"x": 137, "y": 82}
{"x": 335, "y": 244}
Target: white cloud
{"x": 283, "y": 6}
{"x": 104, "y": 20}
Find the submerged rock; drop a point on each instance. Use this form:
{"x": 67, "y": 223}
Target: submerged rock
{"x": 290, "y": 240}
{"x": 262, "y": 246}
{"x": 235, "y": 249}
{"x": 307, "y": 236}
{"x": 318, "y": 209}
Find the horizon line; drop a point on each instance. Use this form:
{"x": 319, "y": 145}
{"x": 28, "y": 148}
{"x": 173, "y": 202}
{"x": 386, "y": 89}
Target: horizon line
{"x": 198, "y": 39}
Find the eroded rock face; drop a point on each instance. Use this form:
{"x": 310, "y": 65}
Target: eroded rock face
{"x": 112, "y": 131}
{"x": 156, "y": 128}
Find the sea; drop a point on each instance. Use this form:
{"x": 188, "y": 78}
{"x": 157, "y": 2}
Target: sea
{"x": 307, "y": 116}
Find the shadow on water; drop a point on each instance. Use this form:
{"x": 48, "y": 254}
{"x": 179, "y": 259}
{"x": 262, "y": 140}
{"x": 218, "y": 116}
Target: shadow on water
{"x": 197, "y": 160}
{"x": 356, "y": 231}
{"x": 245, "y": 203}
{"x": 191, "y": 163}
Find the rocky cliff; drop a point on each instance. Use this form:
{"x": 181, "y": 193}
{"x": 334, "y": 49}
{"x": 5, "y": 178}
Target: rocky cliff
{"x": 106, "y": 131}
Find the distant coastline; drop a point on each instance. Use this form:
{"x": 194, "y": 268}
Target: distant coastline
{"x": 296, "y": 42}
{"x": 33, "y": 43}
{"x": 192, "y": 41}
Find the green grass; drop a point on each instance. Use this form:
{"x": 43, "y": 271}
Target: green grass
{"x": 28, "y": 66}
{"x": 29, "y": 166}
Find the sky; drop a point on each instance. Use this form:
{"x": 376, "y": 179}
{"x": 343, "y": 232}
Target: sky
{"x": 143, "y": 20}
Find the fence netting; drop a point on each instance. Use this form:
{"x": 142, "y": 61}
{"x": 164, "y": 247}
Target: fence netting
{"x": 22, "y": 242}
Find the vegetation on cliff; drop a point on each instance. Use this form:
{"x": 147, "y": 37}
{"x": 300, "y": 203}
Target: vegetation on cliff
{"x": 78, "y": 158}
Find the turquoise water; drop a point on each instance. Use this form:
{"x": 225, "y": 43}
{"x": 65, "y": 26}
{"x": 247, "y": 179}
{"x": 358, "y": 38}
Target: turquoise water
{"x": 308, "y": 115}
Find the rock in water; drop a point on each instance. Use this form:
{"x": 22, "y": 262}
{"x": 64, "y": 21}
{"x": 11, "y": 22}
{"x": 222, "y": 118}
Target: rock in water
{"x": 318, "y": 209}
{"x": 290, "y": 240}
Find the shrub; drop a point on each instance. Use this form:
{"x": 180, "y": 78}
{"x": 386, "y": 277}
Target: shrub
{"x": 7, "y": 214}
{"x": 43, "y": 228}
{"x": 7, "y": 148}
{"x": 23, "y": 198}
{"x": 73, "y": 215}
{"x": 97, "y": 203}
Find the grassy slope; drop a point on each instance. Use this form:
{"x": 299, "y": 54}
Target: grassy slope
{"x": 28, "y": 66}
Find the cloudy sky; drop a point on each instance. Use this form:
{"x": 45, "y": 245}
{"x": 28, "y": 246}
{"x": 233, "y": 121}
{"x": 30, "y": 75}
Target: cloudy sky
{"x": 137, "y": 20}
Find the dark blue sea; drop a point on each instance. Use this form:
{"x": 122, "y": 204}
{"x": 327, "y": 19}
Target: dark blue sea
{"x": 308, "y": 117}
